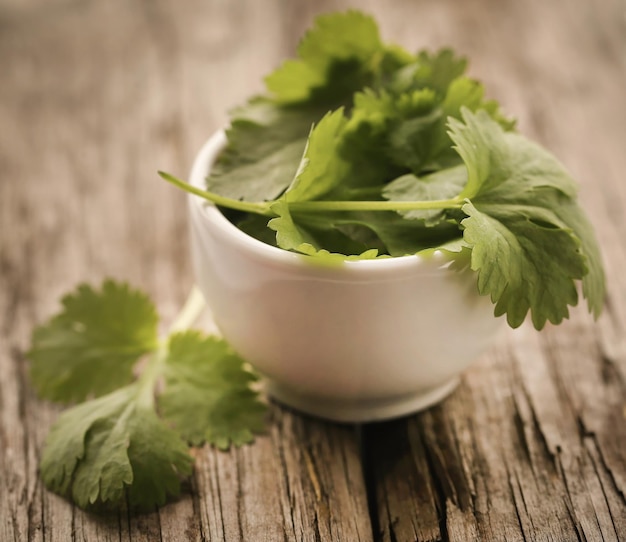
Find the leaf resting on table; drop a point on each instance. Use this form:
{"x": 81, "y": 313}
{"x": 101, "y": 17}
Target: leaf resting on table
{"x": 100, "y": 450}
{"x": 91, "y": 346}
{"x": 207, "y": 394}
{"x": 118, "y": 449}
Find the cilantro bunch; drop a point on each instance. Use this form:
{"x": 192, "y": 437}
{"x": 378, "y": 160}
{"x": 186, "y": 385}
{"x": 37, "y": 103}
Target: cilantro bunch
{"x": 360, "y": 149}
{"x": 143, "y": 399}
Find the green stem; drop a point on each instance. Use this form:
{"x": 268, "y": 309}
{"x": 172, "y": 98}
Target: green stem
{"x": 190, "y": 312}
{"x": 155, "y": 366}
{"x": 237, "y": 205}
{"x": 263, "y": 208}
{"x": 310, "y": 206}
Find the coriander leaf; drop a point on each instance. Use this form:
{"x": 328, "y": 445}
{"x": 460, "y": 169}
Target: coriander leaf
{"x": 438, "y": 70}
{"x": 352, "y": 233}
{"x": 463, "y": 93}
{"x": 336, "y": 58}
{"x": 441, "y": 185}
{"x": 522, "y": 213}
{"x": 321, "y": 168}
{"x": 409, "y": 137}
{"x": 320, "y": 171}
{"x": 594, "y": 282}
{"x": 340, "y": 35}
{"x": 526, "y": 259}
{"x": 207, "y": 394}
{"x": 389, "y": 133}
{"x": 392, "y": 118}
{"x": 348, "y": 233}
{"x": 313, "y": 234}
{"x": 504, "y": 165}
{"x": 396, "y": 235}
{"x": 263, "y": 180}
{"x": 268, "y": 135}
{"x": 159, "y": 459}
{"x": 430, "y": 70}
{"x": 364, "y": 143}
{"x": 265, "y": 145}
{"x": 101, "y": 448}
{"x": 419, "y": 139}
{"x": 91, "y": 346}
{"x": 294, "y": 81}
{"x": 467, "y": 93}
{"x": 288, "y": 235}
{"x": 65, "y": 445}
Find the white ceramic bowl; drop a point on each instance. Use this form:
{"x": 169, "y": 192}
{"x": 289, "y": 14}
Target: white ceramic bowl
{"x": 364, "y": 341}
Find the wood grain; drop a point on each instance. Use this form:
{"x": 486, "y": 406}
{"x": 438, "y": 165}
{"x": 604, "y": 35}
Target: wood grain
{"x": 97, "y": 96}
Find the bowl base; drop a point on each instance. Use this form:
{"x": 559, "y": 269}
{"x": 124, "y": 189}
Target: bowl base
{"x": 371, "y": 410}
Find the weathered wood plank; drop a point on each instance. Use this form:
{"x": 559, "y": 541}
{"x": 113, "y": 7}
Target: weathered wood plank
{"x": 499, "y": 468}
{"x": 302, "y": 482}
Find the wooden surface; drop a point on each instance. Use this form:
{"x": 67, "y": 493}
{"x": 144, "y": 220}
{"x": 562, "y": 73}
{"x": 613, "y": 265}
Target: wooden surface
{"x": 96, "y": 96}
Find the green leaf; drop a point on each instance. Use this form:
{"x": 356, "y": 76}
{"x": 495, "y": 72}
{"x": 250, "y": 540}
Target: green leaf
{"x": 364, "y": 142}
{"x": 320, "y": 171}
{"x": 419, "y": 138}
{"x": 294, "y": 81}
{"x": 323, "y": 234}
{"x": 504, "y": 165}
{"x": 530, "y": 241}
{"x": 355, "y": 234}
{"x": 336, "y": 57}
{"x": 594, "y": 282}
{"x": 463, "y": 93}
{"x": 430, "y": 70}
{"x": 321, "y": 168}
{"x": 391, "y": 132}
{"x": 438, "y": 70}
{"x": 159, "y": 459}
{"x": 100, "y": 449}
{"x": 397, "y": 236}
{"x": 526, "y": 259}
{"x": 352, "y": 34}
{"x": 288, "y": 235}
{"x": 265, "y": 145}
{"x": 207, "y": 394}
{"x": 91, "y": 346}
{"x": 409, "y": 141}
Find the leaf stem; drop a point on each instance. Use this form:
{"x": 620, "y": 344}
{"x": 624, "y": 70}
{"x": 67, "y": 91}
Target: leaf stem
{"x": 264, "y": 208}
{"x": 149, "y": 377}
{"x": 261, "y": 208}
{"x": 304, "y": 206}
{"x": 155, "y": 365}
{"x": 190, "y": 312}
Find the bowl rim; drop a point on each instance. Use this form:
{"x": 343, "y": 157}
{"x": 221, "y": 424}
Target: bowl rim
{"x": 201, "y": 168}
